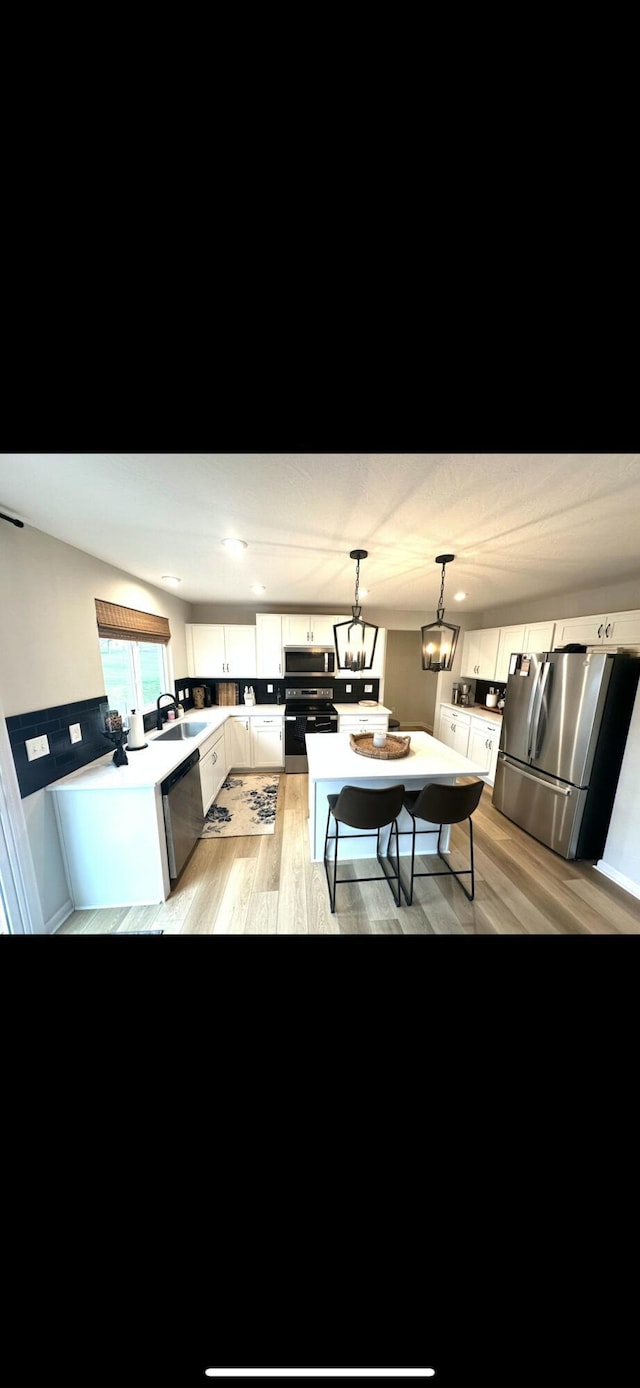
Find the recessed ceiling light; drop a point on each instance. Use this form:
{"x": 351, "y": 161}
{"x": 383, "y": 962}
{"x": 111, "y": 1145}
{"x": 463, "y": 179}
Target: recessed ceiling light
{"x": 235, "y": 545}
{"x": 457, "y": 597}
{"x": 170, "y": 578}
{"x": 258, "y": 588}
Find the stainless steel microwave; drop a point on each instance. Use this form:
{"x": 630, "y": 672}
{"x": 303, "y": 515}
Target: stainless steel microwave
{"x": 309, "y": 660}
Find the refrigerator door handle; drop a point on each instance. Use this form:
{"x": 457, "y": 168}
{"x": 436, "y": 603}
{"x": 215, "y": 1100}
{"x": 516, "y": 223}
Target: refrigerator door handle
{"x": 533, "y": 722}
{"x": 543, "y": 685}
{"x": 557, "y": 790}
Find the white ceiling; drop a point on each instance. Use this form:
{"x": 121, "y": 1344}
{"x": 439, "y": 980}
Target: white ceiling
{"x": 521, "y": 526}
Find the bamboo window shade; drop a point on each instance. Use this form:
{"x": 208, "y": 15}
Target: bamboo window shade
{"x": 128, "y": 624}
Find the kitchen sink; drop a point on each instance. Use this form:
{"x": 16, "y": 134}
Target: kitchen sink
{"x": 179, "y": 731}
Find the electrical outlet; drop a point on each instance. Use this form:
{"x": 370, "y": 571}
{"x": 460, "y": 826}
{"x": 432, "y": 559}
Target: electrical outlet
{"x": 37, "y": 747}
{"x": 368, "y": 689}
{"x": 347, "y": 688}
{"x": 269, "y": 689}
{"x": 181, "y": 694}
{"x": 75, "y": 732}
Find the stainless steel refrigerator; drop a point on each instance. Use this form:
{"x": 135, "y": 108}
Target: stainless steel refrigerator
{"x": 562, "y": 740}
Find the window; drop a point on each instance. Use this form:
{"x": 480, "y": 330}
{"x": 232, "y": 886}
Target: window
{"x": 135, "y": 673}
{"x": 133, "y": 648}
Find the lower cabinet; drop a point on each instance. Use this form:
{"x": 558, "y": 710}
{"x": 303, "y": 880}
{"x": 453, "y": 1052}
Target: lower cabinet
{"x": 475, "y": 737}
{"x": 363, "y": 723}
{"x": 484, "y": 740}
{"x": 254, "y": 741}
{"x": 213, "y": 768}
{"x": 266, "y": 742}
{"x": 238, "y": 736}
{"x": 454, "y": 728}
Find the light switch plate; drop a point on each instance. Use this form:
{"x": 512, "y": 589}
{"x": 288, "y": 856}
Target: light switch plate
{"x": 368, "y": 689}
{"x": 347, "y": 688}
{"x": 75, "y": 732}
{"x": 269, "y": 689}
{"x": 37, "y": 747}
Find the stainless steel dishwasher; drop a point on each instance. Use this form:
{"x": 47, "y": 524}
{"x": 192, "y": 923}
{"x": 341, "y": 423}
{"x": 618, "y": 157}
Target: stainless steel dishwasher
{"x": 183, "y": 818}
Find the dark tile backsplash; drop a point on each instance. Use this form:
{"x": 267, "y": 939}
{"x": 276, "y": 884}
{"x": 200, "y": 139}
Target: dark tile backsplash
{"x": 337, "y": 687}
{"x": 64, "y": 755}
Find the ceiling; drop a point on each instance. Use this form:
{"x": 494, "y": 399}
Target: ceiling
{"x": 521, "y": 526}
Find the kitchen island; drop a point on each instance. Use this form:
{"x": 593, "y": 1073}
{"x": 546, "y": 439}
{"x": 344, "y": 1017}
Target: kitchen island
{"x": 333, "y": 764}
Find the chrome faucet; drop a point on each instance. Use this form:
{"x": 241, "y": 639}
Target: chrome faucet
{"x": 159, "y": 713}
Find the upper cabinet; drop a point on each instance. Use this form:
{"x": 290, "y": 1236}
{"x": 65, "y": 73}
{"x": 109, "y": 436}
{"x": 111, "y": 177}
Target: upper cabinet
{"x": 614, "y": 629}
{"x": 479, "y": 653}
{"x": 535, "y": 637}
{"x": 269, "y": 645}
{"x": 214, "y": 651}
{"x": 316, "y": 630}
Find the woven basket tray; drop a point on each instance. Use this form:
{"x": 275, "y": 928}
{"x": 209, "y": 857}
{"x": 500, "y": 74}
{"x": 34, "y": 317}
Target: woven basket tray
{"x": 394, "y": 746}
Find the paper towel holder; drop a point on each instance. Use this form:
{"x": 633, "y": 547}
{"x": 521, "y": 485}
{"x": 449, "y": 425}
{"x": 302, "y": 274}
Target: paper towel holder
{"x": 140, "y": 746}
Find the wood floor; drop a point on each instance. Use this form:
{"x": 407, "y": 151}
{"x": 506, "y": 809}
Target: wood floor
{"x": 267, "y": 885}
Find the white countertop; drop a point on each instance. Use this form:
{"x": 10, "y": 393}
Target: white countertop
{"x": 332, "y": 759}
{"x": 478, "y": 710}
{"x": 149, "y": 766}
{"x": 357, "y": 708}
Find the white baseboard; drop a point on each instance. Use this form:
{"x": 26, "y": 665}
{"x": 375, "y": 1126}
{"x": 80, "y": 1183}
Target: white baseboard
{"x": 54, "y": 922}
{"x": 627, "y": 883}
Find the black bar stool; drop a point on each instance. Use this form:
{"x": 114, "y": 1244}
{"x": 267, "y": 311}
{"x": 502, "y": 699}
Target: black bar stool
{"x": 442, "y": 805}
{"x": 394, "y": 723}
{"x": 360, "y": 808}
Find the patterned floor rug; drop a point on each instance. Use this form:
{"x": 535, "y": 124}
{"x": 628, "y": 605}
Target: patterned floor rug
{"x": 245, "y": 804}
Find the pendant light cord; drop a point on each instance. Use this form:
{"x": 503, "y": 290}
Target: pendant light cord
{"x": 440, "y": 607}
{"x": 357, "y": 581}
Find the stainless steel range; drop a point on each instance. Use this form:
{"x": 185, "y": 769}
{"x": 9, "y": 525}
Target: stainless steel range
{"x": 305, "y": 711}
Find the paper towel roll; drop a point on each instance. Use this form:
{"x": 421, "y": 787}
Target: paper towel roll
{"x": 136, "y": 730}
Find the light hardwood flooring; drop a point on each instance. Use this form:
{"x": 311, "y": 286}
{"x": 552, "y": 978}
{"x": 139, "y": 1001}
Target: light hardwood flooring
{"x": 266, "y": 885}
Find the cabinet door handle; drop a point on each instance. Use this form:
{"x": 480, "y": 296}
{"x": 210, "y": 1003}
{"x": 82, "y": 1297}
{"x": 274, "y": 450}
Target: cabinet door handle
{"x": 600, "y": 630}
{"x": 279, "y": 667}
{"x": 215, "y": 757}
{"x": 607, "y": 629}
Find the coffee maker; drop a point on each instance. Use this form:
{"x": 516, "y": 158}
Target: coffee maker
{"x": 465, "y": 697}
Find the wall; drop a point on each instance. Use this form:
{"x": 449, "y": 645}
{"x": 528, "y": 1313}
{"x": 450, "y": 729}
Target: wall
{"x": 409, "y": 690}
{"x": 398, "y": 619}
{"x": 51, "y": 656}
{"x": 617, "y": 597}
{"x": 621, "y": 856}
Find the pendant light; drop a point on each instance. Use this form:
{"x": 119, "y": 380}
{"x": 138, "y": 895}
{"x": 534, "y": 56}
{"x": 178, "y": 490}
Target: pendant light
{"x": 439, "y": 638}
{"x": 355, "y": 641}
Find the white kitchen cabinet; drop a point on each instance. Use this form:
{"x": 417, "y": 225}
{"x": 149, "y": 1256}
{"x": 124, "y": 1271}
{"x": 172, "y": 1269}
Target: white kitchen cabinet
{"x": 266, "y": 742}
{"x": 313, "y": 630}
{"x": 484, "y": 740}
{"x": 479, "y": 653}
{"x": 454, "y": 729}
{"x": 536, "y": 636}
{"x": 214, "y": 650}
{"x": 362, "y": 722}
{"x": 539, "y": 636}
{"x": 269, "y": 645}
{"x": 254, "y": 741}
{"x": 238, "y": 741}
{"x": 510, "y": 639}
{"x": 213, "y": 767}
{"x": 612, "y": 629}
